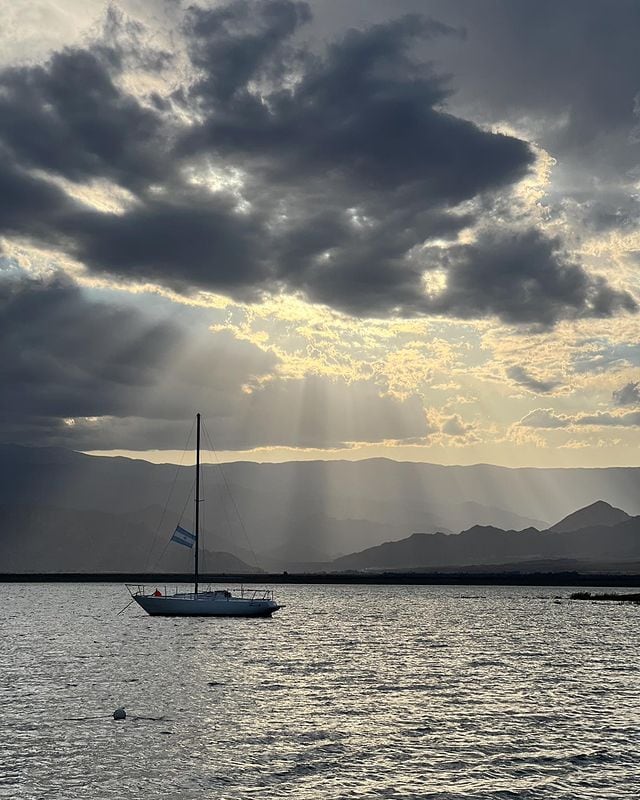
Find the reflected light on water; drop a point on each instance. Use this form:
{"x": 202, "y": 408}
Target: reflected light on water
{"x": 349, "y": 692}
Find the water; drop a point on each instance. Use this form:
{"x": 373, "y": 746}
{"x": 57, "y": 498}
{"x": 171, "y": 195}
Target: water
{"x": 349, "y": 692}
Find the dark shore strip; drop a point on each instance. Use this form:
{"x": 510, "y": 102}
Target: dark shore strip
{"x": 620, "y": 598}
{"x": 371, "y": 578}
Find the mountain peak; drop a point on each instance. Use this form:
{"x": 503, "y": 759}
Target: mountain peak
{"x": 598, "y": 513}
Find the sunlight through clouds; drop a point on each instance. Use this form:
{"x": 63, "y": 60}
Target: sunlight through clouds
{"x": 406, "y": 283}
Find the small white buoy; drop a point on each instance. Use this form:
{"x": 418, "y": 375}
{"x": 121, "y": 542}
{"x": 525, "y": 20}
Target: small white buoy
{"x": 120, "y": 713}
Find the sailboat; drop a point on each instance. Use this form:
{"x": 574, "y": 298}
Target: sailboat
{"x": 218, "y": 603}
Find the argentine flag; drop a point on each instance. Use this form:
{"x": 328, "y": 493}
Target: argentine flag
{"x": 182, "y": 536}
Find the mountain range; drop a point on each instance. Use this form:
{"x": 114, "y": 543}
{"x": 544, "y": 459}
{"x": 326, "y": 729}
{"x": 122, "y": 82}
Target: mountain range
{"x": 67, "y": 511}
{"x": 605, "y": 535}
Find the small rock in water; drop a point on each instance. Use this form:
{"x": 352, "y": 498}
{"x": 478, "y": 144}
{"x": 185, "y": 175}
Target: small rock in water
{"x": 120, "y": 713}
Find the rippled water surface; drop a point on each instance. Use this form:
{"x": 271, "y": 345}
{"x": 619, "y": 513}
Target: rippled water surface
{"x": 349, "y": 692}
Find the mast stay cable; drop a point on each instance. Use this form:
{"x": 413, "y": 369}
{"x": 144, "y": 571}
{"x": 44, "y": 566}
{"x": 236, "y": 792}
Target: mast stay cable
{"x": 166, "y": 504}
{"x": 233, "y": 501}
{"x": 184, "y": 508}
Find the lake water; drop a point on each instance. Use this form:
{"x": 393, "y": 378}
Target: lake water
{"x": 349, "y": 692}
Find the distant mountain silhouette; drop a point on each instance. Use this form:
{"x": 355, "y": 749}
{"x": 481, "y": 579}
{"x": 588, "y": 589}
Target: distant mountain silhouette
{"x": 463, "y": 516}
{"x": 598, "y": 513}
{"x": 293, "y": 513}
{"x": 485, "y": 546}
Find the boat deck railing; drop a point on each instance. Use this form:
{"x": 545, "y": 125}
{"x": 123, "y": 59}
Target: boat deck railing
{"x": 256, "y": 594}
{"x": 140, "y": 590}
{"x": 252, "y": 595}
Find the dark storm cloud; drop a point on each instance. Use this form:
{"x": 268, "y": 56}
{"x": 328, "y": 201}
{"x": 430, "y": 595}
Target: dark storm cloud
{"x": 524, "y": 277}
{"x": 574, "y": 63}
{"x": 568, "y": 72}
{"x": 627, "y": 395}
{"x": 29, "y": 206}
{"x": 234, "y": 44}
{"x": 91, "y": 357}
{"x": 186, "y": 240}
{"x": 68, "y": 117}
{"x": 371, "y": 274}
{"x": 365, "y": 112}
{"x": 523, "y": 378}
{"x": 350, "y": 163}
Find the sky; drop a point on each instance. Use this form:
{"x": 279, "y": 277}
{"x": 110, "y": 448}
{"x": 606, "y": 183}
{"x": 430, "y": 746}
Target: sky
{"x": 336, "y": 229}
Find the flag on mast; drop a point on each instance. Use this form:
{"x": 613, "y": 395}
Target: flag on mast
{"x": 183, "y": 536}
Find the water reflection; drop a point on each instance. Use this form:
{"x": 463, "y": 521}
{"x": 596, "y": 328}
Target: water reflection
{"x": 351, "y": 692}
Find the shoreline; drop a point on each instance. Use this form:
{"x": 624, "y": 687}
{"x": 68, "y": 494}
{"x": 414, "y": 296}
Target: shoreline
{"x": 374, "y": 579}
{"x": 607, "y": 596}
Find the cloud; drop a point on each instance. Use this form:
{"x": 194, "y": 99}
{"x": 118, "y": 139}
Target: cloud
{"x": 234, "y": 44}
{"x": 522, "y": 377}
{"x": 316, "y": 412}
{"x": 544, "y": 418}
{"x": 92, "y": 358}
{"x": 348, "y": 164}
{"x": 454, "y": 426}
{"x": 364, "y": 117}
{"x": 606, "y": 419}
{"x": 572, "y": 66}
{"x": 322, "y": 412}
{"x": 602, "y": 354}
{"x": 523, "y": 276}
{"x": 186, "y": 240}
{"x": 547, "y": 418}
{"x": 25, "y": 202}
{"x": 566, "y": 74}
{"x": 627, "y": 395}
{"x": 69, "y": 363}
{"x": 604, "y": 211}
{"x": 270, "y": 170}
{"x": 94, "y": 375}
{"x": 69, "y": 117}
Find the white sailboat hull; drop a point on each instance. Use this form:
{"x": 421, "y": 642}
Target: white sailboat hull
{"x": 205, "y": 604}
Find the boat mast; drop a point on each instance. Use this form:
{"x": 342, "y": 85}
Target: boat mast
{"x": 195, "y": 573}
